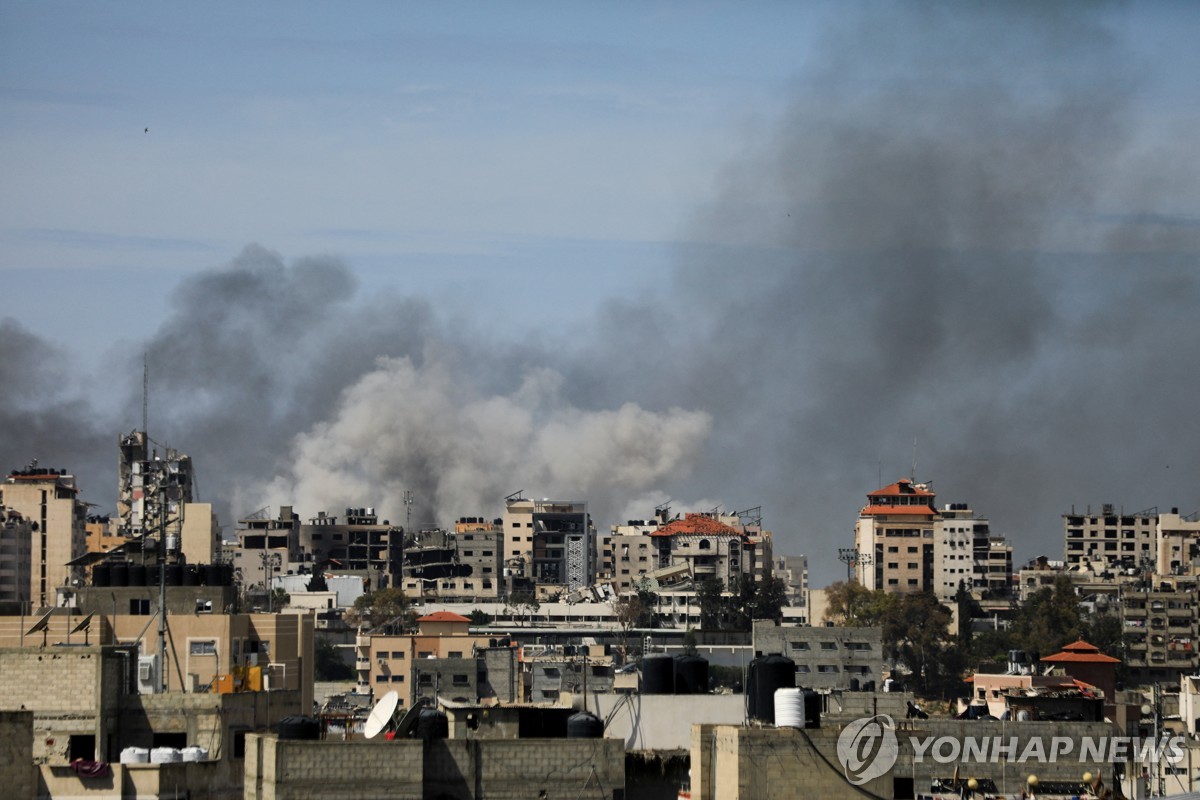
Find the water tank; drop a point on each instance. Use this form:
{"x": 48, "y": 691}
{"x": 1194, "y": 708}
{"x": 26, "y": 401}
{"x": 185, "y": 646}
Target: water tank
{"x": 868, "y": 686}
{"x": 102, "y": 575}
{"x": 658, "y": 675}
{"x": 120, "y": 573}
{"x": 202, "y": 574}
{"x": 190, "y": 576}
{"x": 137, "y": 574}
{"x": 789, "y": 708}
{"x": 152, "y": 571}
{"x": 584, "y": 726}
{"x": 135, "y": 755}
{"x": 165, "y": 755}
{"x": 432, "y": 724}
{"x": 767, "y": 674}
{"x": 172, "y": 543}
{"x": 691, "y": 675}
{"x": 194, "y": 753}
{"x": 174, "y": 574}
{"x": 854, "y": 685}
{"x": 302, "y": 728}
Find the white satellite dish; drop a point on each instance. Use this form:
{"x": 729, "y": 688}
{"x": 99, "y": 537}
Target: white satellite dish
{"x": 381, "y": 715}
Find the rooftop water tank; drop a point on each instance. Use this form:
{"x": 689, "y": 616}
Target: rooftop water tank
{"x": 789, "y": 708}
{"x": 584, "y": 726}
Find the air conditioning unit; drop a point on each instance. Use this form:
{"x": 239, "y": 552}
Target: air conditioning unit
{"x": 149, "y": 675}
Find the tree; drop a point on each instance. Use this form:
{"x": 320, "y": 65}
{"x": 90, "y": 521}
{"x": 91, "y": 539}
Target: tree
{"x": 1048, "y": 619}
{"x": 916, "y": 634}
{"x": 523, "y": 604}
{"x": 628, "y": 611}
{"x": 480, "y": 617}
{"x": 711, "y": 599}
{"x": 328, "y": 664}
{"x": 384, "y": 610}
{"x": 851, "y": 604}
{"x": 689, "y": 642}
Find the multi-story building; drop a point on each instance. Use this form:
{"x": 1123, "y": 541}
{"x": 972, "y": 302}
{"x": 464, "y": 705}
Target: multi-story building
{"x": 894, "y": 538}
{"x": 16, "y": 537}
{"x": 967, "y": 555}
{"x": 826, "y": 657}
{"x": 1161, "y": 629}
{"x": 696, "y": 546}
{"x": 361, "y": 545}
{"x": 392, "y": 662}
{"x": 150, "y": 488}
{"x": 793, "y": 571}
{"x": 995, "y": 576}
{"x": 551, "y": 542}
{"x": 48, "y": 499}
{"x": 463, "y": 565}
{"x": 1178, "y": 544}
{"x": 1110, "y": 539}
{"x": 268, "y": 546}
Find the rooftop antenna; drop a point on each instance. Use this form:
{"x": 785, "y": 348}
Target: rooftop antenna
{"x": 408, "y": 503}
{"x": 914, "y": 461}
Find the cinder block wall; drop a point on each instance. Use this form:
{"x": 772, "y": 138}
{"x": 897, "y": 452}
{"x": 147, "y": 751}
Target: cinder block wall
{"x": 17, "y": 773}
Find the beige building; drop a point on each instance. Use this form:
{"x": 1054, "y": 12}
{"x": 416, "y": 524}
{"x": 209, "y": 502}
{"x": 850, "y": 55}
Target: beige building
{"x": 894, "y": 539}
{"x": 16, "y": 537}
{"x": 386, "y": 663}
{"x": 551, "y": 542}
{"x": 1178, "y": 544}
{"x": 1111, "y": 538}
{"x": 49, "y": 500}
{"x": 661, "y": 551}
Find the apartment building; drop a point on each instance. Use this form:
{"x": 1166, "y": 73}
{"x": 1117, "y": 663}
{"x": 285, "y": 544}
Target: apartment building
{"x": 894, "y": 539}
{"x": 1178, "y": 544}
{"x": 826, "y": 657}
{"x": 551, "y": 542}
{"x": 1161, "y": 629}
{"x": 1111, "y": 538}
{"x": 16, "y": 538}
{"x": 793, "y": 571}
{"x": 461, "y": 565}
{"x": 49, "y": 500}
{"x": 697, "y": 546}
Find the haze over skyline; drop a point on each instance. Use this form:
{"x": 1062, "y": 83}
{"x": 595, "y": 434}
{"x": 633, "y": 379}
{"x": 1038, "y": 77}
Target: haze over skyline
{"x": 734, "y": 254}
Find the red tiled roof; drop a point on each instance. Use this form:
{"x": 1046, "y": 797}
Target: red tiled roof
{"x": 924, "y": 511}
{"x": 1081, "y": 652}
{"x": 900, "y": 487}
{"x": 443, "y": 616}
{"x": 693, "y": 523}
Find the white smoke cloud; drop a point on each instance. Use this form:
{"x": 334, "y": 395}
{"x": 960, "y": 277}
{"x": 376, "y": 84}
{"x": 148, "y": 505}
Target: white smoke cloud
{"x": 428, "y": 429}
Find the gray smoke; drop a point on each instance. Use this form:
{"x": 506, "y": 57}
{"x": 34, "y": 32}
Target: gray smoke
{"x": 963, "y": 233}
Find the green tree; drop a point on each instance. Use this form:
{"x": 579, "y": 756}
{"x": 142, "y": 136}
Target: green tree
{"x": 711, "y": 599}
{"x": 480, "y": 617}
{"x": 1048, "y": 619}
{"x": 916, "y": 634}
{"x": 689, "y": 642}
{"x": 851, "y": 604}
{"x": 328, "y": 664}
{"x": 523, "y": 604}
{"x": 384, "y": 611}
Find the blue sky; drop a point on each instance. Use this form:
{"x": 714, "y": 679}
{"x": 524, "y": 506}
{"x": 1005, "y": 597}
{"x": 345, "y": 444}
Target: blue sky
{"x": 704, "y": 209}
{"x": 451, "y": 149}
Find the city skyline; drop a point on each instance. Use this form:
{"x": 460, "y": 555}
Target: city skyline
{"x": 719, "y": 254}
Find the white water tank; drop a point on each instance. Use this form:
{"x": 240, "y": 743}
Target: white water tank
{"x": 194, "y": 753}
{"x": 789, "y": 708}
{"x": 135, "y": 755}
{"x": 165, "y": 755}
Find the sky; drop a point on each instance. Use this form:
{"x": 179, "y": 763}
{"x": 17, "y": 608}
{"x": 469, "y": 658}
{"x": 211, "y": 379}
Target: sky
{"x": 728, "y": 255}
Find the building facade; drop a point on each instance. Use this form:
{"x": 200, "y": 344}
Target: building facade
{"x": 49, "y": 500}
{"x": 894, "y": 539}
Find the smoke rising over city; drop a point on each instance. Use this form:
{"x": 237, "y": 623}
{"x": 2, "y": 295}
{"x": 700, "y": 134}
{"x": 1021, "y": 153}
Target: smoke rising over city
{"x": 958, "y": 246}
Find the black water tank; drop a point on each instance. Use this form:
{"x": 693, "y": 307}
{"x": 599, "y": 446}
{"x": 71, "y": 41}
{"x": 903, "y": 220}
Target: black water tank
{"x": 854, "y": 687}
{"x": 869, "y": 686}
{"x": 658, "y": 675}
{"x": 202, "y": 574}
{"x": 432, "y": 724}
{"x": 766, "y": 675}
{"x": 137, "y": 574}
{"x": 304, "y": 728}
{"x": 584, "y": 726}
{"x": 190, "y": 576}
{"x": 812, "y": 709}
{"x": 174, "y": 574}
{"x": 102, "y": 575}
{"x": 152, "y": 571}
{"x": 691, "y": 675}
{"x": 120, "y": 573}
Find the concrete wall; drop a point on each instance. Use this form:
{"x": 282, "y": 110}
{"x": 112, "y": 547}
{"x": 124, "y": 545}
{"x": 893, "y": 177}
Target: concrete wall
{"x": 663, "y": 721}
{"x": 826, "y": 657}
{"x": 206, "y": 780}
{"x": 515, "y": 769}
{"x": 16, "y": 754}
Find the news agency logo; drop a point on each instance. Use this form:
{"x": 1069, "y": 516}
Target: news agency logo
{"x": 868, "y": 748}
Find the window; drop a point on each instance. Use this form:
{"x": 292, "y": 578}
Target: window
{"x": 827, "y": 646}
{"x": 397, "y": 654}
{"x": 827, "y": 669}
{"x": 425, "y": 679}
{"x": 206, "y": 647}
{"x": 802, "y": 669}
{"x": 139, "y": 607}
{"x": 799, "y": 646}
{"x": 455, "y": 654}
{"x": 397, "y": 679}
{"x": 460, "y": 680}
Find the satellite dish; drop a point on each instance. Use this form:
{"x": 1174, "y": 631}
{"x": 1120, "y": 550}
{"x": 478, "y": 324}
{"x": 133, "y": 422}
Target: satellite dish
{"x": 41, "y": 624}
{"x": 84, "y": 624}
{"x": 381, "y": 715}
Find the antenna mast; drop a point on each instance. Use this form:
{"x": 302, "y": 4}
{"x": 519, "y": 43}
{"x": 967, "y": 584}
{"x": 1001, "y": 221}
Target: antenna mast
{"x": 408, "y": 503}
{"x": 145, "y": 392}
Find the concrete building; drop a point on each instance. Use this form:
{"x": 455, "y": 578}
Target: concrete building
{"x": 826, "y": 657}
{"x": 361, "y": 544}
{"x": 1161, "y": 630}
{"x": 16, "y": 538}
{"x": 1178, "y": 544}
{"x": 894, "y": 539}
{"x": 694, "y": 547}
{"x": 385, "y": 663}
{"x": 551, "y": 542}
{"x": 458, "y": 566}
{"x": 793, "y": 571}
{"x": 1111, "y": 538}
{"x": 49, "y": 500}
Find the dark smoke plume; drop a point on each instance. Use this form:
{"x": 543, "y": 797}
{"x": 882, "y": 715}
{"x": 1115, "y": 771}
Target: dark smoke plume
{"x": 962, "y": 233}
